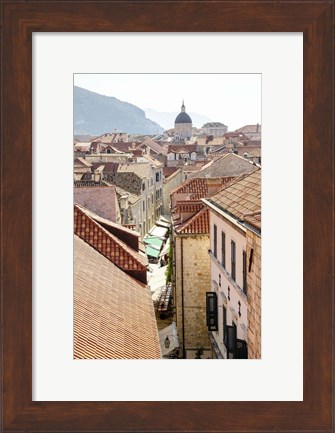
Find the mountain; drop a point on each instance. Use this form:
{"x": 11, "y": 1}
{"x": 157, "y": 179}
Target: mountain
{"x": 94, "y": 114}
{"x": 167, "y": 119}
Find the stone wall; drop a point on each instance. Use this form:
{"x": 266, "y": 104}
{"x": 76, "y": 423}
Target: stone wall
{"x": 192, "y": 278}
{"x": 168, "y": 186}
{"x": 254, "y": 295}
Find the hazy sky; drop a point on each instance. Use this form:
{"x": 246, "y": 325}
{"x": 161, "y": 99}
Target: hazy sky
{"x": 233, "y": 99}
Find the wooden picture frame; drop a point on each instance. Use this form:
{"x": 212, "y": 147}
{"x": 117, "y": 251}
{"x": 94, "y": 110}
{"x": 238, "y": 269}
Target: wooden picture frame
{"x": 19, "y": 21}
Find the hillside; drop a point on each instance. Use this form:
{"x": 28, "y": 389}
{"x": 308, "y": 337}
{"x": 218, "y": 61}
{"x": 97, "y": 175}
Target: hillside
{"x": 95, "y": 114}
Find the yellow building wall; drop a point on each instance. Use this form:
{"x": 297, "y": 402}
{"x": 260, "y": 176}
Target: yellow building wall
{"x": 192, "y": 278}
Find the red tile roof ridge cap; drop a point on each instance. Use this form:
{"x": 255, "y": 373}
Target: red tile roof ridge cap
{"x": 98, "y": 218}
{"x": 172, "y": 175}
{"x": 194, "y": 217}
{"x": 186, "y": 183}
{"x": 135, "y": 254}
{"x": 233, "y": 181}
{"x": 256, "y": 213}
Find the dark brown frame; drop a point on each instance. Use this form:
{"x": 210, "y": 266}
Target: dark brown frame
{"x": 19, "y": 20}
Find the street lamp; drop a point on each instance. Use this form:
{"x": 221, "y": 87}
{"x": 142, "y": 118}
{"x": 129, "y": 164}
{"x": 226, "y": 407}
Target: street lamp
{"x": 167, "y": 342}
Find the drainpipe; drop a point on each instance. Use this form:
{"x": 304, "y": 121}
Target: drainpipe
{"x": 182, "y": 294}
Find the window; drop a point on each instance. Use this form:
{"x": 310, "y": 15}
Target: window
{"x": 236, "y": 348}
{"x": 224, "y": 324}
{"x": 215, "y": 240}
{"x": 241, "y": 349}
{"x": 212, "y": 311}
{"x": 143, "y": 205}
{"x": 245, "y": 272}
{"x": 233, "y": 260}
{"x": 231, "y": 341}
{"x": 157, "y": 177}
{"x": 223, "y": 249}
{"x": 143, "y": 186}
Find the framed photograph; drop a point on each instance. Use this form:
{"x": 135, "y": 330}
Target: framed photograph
{"x": 189, "y": 396}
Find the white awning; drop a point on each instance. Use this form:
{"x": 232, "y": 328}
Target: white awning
{"x": 159, "y": 232}
{"x": 157, "y": 281}
{"x": 166, "y": 248}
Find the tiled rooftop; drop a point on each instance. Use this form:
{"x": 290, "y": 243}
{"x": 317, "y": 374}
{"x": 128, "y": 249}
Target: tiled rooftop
{"x": 101, "y": 200}
{"x": 254, "y": 220}
{"x": 113, "y": 314}
{"x": 142, "y": 169}
{"x": 200, "y": 187}
{"x": 197, "y": 224}
{"x": 156, "y": 147}
{"x": 188, "y": 206}
{"x": 153, "y": 161}
{"x": 250, "y": 128}
{"x": 108, "y": 167}
{"x": 132, "y": 198}
{"x": 226, "y": 165}
{"x": 103, "y": 238}
{"x": 241, "y": 197}
{"x": 168, "y": 171}
{"x": 182, "y": 148}
{"x": 82, "y": 162}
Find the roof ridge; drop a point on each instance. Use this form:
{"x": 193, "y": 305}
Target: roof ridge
{"x": 135, "y": 255}
{"x": 191, "y": 220}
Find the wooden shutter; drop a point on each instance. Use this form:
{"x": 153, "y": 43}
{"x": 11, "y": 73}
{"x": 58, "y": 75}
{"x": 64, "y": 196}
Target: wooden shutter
{"x": 224, "y": 324}
{"x": 233, "y": 260}
{"x": 231, "y": 340}
{"x": 212, "y": 311}
{"x": 244, "y": 272}
{"x": 223, "y": 249}
{"x": 215, "y": 239}
{"x": 242, "y": 349}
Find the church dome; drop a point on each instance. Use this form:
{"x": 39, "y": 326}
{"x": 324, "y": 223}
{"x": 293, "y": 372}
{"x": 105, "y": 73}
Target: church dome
{"x": 183, "y": 118}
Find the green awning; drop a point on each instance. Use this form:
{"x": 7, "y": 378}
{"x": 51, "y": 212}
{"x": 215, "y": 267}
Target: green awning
{"x": 152, "y": 252}
{"x": 152, "y": 240}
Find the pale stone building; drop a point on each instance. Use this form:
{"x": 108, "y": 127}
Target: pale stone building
{"x": 216, "y": 129}
{"x": 183, "y": 125}
{"x": 192, "y": 264}
{"x": 233, "y": 298}
{"x": 192, "y": 277}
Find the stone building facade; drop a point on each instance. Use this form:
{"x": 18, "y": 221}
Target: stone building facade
{"x": 216, "y": 129}
{"x": 234, "y": 295}
{"x": 169, "y": 184}
{"x": 192, "y": 280}
{"x": 253, "y": 238}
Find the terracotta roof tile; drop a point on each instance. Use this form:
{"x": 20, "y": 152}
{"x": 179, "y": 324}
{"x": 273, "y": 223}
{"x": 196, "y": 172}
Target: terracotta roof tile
{"x": 101, "y": 200}
{"x": 182, "y": 148}
{"x": 200, "y": 187}
{"x": 168, "y": 171}
{"x": 197, "y": 224}
{"x": 156, "y": 147}
{"x": 254, "y": 220}
{"x": 225, "y": 165}
{"x": 108, "y": 244}
{"x": 242, "y": 196}
{"x": 113, "y": 314}
{"x": 141, "y": 169}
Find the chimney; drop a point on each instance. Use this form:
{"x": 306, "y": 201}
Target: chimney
{"x": 124, "y": 201}
{"x": 97, "y": 176}
{"x": 124, "y": 206}
{"x": 213, "y": 184}
{"x": 257, "y": 127}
